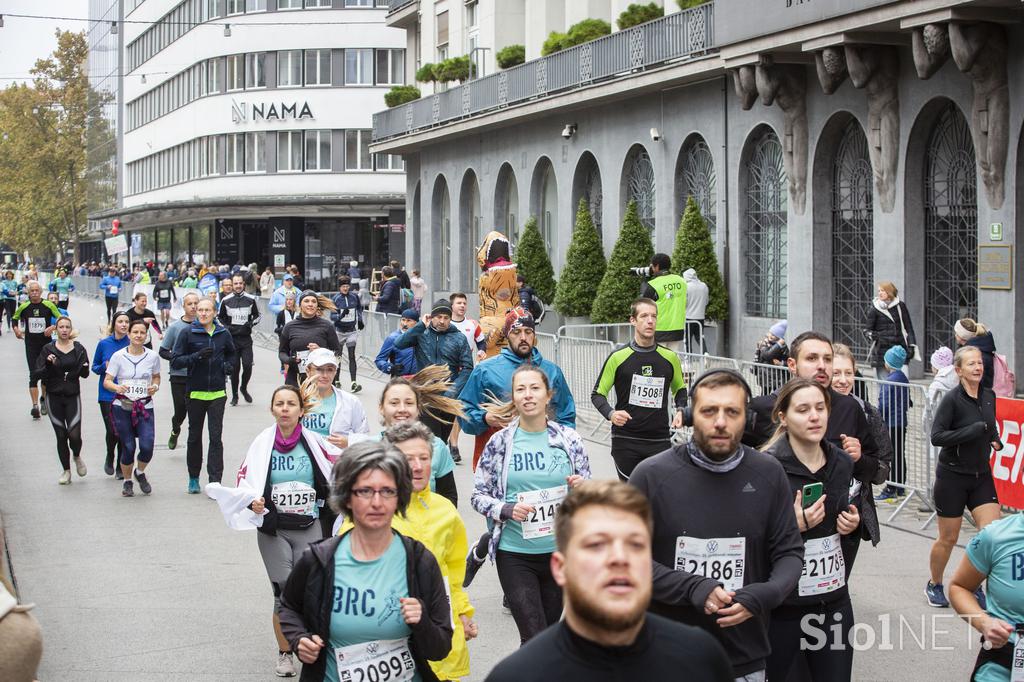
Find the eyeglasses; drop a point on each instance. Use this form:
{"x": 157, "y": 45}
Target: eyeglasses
{"x": 368, "y": 493}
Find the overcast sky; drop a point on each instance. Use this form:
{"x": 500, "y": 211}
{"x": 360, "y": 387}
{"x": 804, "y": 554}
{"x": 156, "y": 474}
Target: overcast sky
{"x": 23, "y": 41}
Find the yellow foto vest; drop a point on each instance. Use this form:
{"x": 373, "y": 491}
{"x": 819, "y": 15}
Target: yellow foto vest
{"x": 671, "y": 291}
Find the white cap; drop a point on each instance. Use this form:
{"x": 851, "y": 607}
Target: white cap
{"x": 321, "y": 357}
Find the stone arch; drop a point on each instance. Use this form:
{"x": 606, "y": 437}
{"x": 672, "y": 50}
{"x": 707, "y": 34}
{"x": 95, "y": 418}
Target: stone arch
{"x": 586, "y": 184}
{"x": 506, "y": 204}
{"x": 544, "y": 202}
{"x": 639, "y": 183}
{"x": 441, "y": 231}
{"x": 416, "y": 227}
{"x": 764, "y": 211}
{"x": 470, "y": 227}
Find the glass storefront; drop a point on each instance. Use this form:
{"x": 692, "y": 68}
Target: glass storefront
{"x": 201, "y": 243}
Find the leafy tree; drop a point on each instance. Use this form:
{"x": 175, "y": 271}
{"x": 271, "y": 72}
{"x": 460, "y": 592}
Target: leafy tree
{"x": 584, "y": 265}
{"x": 400, "y": 94}
{"x": 453, "y": 69}
{"x": 586, "y": 30}
{"x": 693, "y": 249}
{"x": 43, "y": 174}
{"x": 554, "y": 42}
{"x": 511, "y": 55}
{"x": 619, "y": 286}
{"x": 638, "y": 14}
{"x": 689, "y": 4}
{"x": 425, "y": 74}
{"x": 533, "y": 262}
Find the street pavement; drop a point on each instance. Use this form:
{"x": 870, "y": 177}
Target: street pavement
{"x": 157, "y": 588}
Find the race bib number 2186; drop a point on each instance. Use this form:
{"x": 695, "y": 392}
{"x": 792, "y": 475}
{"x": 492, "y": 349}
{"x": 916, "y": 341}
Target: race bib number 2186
{"x": 721, "y": 559}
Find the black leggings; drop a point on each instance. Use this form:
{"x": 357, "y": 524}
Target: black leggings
{"x": 534, "y": 597}
{"x": 628, "y": 452}
{"x": 111, "y": 306}
{"x": 351, "y": 361}
{"x": 66, "y": 419}
{"x": 243, "y": 361}
{"x": 828, "y": 658}
{"x": 179, "y": 396}
{"x": 211, "y": 412}
{"x": 112, "y": 440}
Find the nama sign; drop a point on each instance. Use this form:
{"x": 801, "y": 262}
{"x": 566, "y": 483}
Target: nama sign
{"x": 242, "y": 112}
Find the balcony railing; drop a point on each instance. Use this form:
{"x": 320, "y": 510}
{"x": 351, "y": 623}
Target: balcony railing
{"x": 395, "y": 5}
{"x": 677, "y": 36}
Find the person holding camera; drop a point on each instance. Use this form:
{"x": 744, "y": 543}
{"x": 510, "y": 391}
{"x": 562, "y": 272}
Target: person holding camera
{"x": 772, "y": 350}
{"x": 668, "y": 291}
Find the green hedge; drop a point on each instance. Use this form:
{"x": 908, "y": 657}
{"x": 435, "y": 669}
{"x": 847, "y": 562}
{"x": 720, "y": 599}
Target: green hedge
{"x": 693, "y": 249}
{"x": 584, "y": 266}
{"x": 638, "y": 14}
{"x": 619, "y": 287}
{"x": 511, "y": 55}
{"x": 579, "y": 33}
{"x": 400, "y": 94}
{"x": 533, "y": 262}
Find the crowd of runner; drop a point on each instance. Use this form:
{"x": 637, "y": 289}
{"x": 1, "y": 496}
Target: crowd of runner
{"x": 736, "y": 519}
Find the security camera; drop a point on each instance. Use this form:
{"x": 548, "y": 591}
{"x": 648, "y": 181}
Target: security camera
{"x": 655, "y": 135}
{"x": 569, "y": 130}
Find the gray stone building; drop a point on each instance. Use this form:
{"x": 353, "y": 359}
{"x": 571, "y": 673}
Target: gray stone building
{"x": 830, "y": 143}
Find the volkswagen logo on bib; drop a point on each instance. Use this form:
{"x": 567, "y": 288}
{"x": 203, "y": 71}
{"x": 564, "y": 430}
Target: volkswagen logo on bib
{"x": 372, "y": 647}
{"x": 712, "y": 546}
{"x": 544, "y": 494}
{"x": 826, "y": 543}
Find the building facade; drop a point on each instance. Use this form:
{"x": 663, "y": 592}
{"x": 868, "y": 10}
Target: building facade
{"x": 830, "y": 144}
{"x": 244, "y": 130}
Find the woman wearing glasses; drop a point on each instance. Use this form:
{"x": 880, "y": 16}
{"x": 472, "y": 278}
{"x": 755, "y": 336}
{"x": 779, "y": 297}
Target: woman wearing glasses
{"x": 369, "y": 604}
{"x": 281, "y": 491}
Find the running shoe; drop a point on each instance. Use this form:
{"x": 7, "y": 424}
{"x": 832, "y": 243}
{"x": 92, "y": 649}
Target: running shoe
{"x": 80, "y": 467}
{"x": 356, "y": 387}
{"x": 35, "y": 412}
{"x": 245, "y": 395}
{"x": 193, "y": 486}
{"x": 936, "y": 596}
{"x": 887, "y": 495}
{"x": 172, "y": 442}
{"x": 144, "y": 485}
{"x": 65, "y": 478}
{"x": 42, "y": 407}
{"x": 118, "y": 474}
{"x": 108, "y": 466}
{"x": 473, "y": 565}
{"x": 127, "y": 490}
{"x": 456, "y": 457}
{"x": 505, "y": 608}
{"x": 234, "y": 401}
{"x": 979, "y": 594}
{"x": 285, "y": 665}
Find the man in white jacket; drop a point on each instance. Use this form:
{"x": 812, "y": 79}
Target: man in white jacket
{"x": 696, "y": 304}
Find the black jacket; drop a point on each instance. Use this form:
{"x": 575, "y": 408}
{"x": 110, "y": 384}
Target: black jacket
{"x": 389, "y": 300}
{"x": 236, "y": 306}
{"x": 987, "y": 345}
{"x": 62, "y": 377}
{"x": 308, "y": 595}
{"x": 209, "y": 373}
{"x": 965, "y": 429}
{"x": 835, "y": 476}
{"x": 889, "y": 327}
{"x": 296, "y": 337}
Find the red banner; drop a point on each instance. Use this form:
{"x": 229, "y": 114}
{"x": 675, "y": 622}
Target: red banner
{"x": 1006, "y": 464}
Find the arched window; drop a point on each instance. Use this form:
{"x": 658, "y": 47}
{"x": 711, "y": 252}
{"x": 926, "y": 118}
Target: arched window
{"x": 416, "y": 228}
{"x": 765, "y": 227}
{"x": 441, "y": 219}
{"x": 696, "y": 178}
{"x": 640, "y": 185}
{"x": 470, "y": 226}
{"x": 587, "y": 186}
{"x": 506, "y": 205}
{"x": 950, "y": 228}
{"x": 852, "y": 239}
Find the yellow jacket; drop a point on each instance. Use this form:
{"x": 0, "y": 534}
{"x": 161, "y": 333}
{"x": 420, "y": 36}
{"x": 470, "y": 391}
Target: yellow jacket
{"x": 434, "y": 521}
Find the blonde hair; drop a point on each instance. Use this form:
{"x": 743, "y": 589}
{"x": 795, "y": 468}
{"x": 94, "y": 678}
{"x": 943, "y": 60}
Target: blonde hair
{"x": 958, "y": 357}
{"x": 841, "y": 350}
{"x": 889, "y": 288}
{"x": 976, "y": 328}
{"x": 430, "y": 386}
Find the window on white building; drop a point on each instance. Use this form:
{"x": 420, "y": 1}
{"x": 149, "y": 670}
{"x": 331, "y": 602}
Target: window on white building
{"x": 213, "y": 76}
{"x": 318, "y": 150}
{"x": 442, "y": 28}
{"x": 235, "y": 72}
{"x": 289, "y": 4}
{"x": 289, "y": 68}
{"x": 235, "y": 6}
{"x": 236, "y": 153}
{"x": 255, "y": 5}
{"x": 318, "y": 4}
{"x": 358, "y": 3}
{"x": 390, "y": 67}
{"x": 289, "y": 151}
{"x": 256, "y": 70}
{"x": 318, "y": 67}
{"x": 389, "y": 162}
{"x": 357, "y": 150}
{"x": 359, "y": 66}
{"x": 255, "y": 152}
{"x": 472, "y": 10}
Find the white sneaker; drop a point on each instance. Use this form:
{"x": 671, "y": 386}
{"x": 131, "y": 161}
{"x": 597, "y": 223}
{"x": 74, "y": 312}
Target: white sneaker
{"x": 80, "y": 466}
{"x": 65, "y": 478}
{"x": 285, "y": 665}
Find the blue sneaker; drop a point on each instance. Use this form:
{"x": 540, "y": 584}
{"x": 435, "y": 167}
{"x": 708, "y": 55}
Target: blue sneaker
{"x": 193, "y": 486}
{"x": 979, "y": 594}
{"x": 936, "y": 596}
{"x": 887, "y": 494}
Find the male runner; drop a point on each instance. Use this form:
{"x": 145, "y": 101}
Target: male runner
{"x": 240, "y": 313}
{"x": 348, "y": 320}
{"x": 179, "y": 377}
{"x": 644, "y": 375}
{"x": 39, "y": 318}
{"x": 163, "y": 292}
{"x": 477, "y": 341}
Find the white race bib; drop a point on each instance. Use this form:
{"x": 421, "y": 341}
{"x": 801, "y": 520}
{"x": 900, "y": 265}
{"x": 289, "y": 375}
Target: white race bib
{"x": 113, "y": 289}
{"x": 294, "y": 497}
{"x": 824, "y": 568}
{"x": 1017, "y": 663}
{"x": 383, "y": 660}
{"x": 721, "y": 559}
{"x": 239, "y": 315}
{"x": 855, "y": 486}
{"x": 164, "y": 293}
{"x": 302, "y": 356}
{"x": 36, "y": 325}
{"x": 541, "y": 523}
{"x": 647, "y": 391}
{"x": 137, "y": 388}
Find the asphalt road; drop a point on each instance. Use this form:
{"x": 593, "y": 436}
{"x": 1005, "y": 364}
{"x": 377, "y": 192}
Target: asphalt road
{"x": 157, "y": 588}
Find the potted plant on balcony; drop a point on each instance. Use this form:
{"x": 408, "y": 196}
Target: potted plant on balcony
{"x": 426, "y": 73}
{"x": 639, "y": 14}
{"x": 511, "y": 55}
{"x": 400, "y": 94}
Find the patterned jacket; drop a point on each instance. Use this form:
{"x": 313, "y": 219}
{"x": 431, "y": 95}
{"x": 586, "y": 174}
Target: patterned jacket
{"x": 491, "y": 475}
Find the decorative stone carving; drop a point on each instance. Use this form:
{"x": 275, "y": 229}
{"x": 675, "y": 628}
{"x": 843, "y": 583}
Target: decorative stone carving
{"x": 831, "y": 67}
{"x": 876, "y": 70}
{"x": 980, "y": 51}
{"x": 930, "y": 49}
{"x": 746, "y": 88}
{"x": 786, "y": 85}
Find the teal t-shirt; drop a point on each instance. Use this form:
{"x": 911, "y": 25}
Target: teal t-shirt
{"x": 535, "y": 465}
{"x": 62, "y": 285}
{"x": 319, "y": 420}
{"x": 366, "y": 604}
{"x": 296, "y": 465}
{"x": 998, "y": 552}
{"x": 441, "y": 462}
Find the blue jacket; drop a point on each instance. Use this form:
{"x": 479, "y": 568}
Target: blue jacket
{"x": 277, "y": 299}
{"x": 9, "y": 288}
{"x": 493, "y": 376}
{"x": 390, "y": 358}
{"x": 390, "y": 298}
{"x": 893, "y": 401}
{"x": 449, "y": 348}
{"x": 207, "y": 374}
{"x": 349, "y": 314}
{"x": 105, "y": 349}
{"x": 108, "y": 282}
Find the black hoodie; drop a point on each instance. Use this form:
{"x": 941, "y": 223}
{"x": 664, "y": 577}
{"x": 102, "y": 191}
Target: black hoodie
{"x": 987, "y": 345}
{"x": 296, "y": 337}
{"x": 965, "y": 429}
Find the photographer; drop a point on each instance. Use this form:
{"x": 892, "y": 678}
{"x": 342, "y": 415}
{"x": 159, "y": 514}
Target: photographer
{"x": 772, "y": 350}
{"x": 668, "y": 291}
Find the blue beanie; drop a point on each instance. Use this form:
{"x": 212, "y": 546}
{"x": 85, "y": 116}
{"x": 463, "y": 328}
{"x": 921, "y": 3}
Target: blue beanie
{"x": 779, "y": 329}
{"x": 895, "y": 357}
